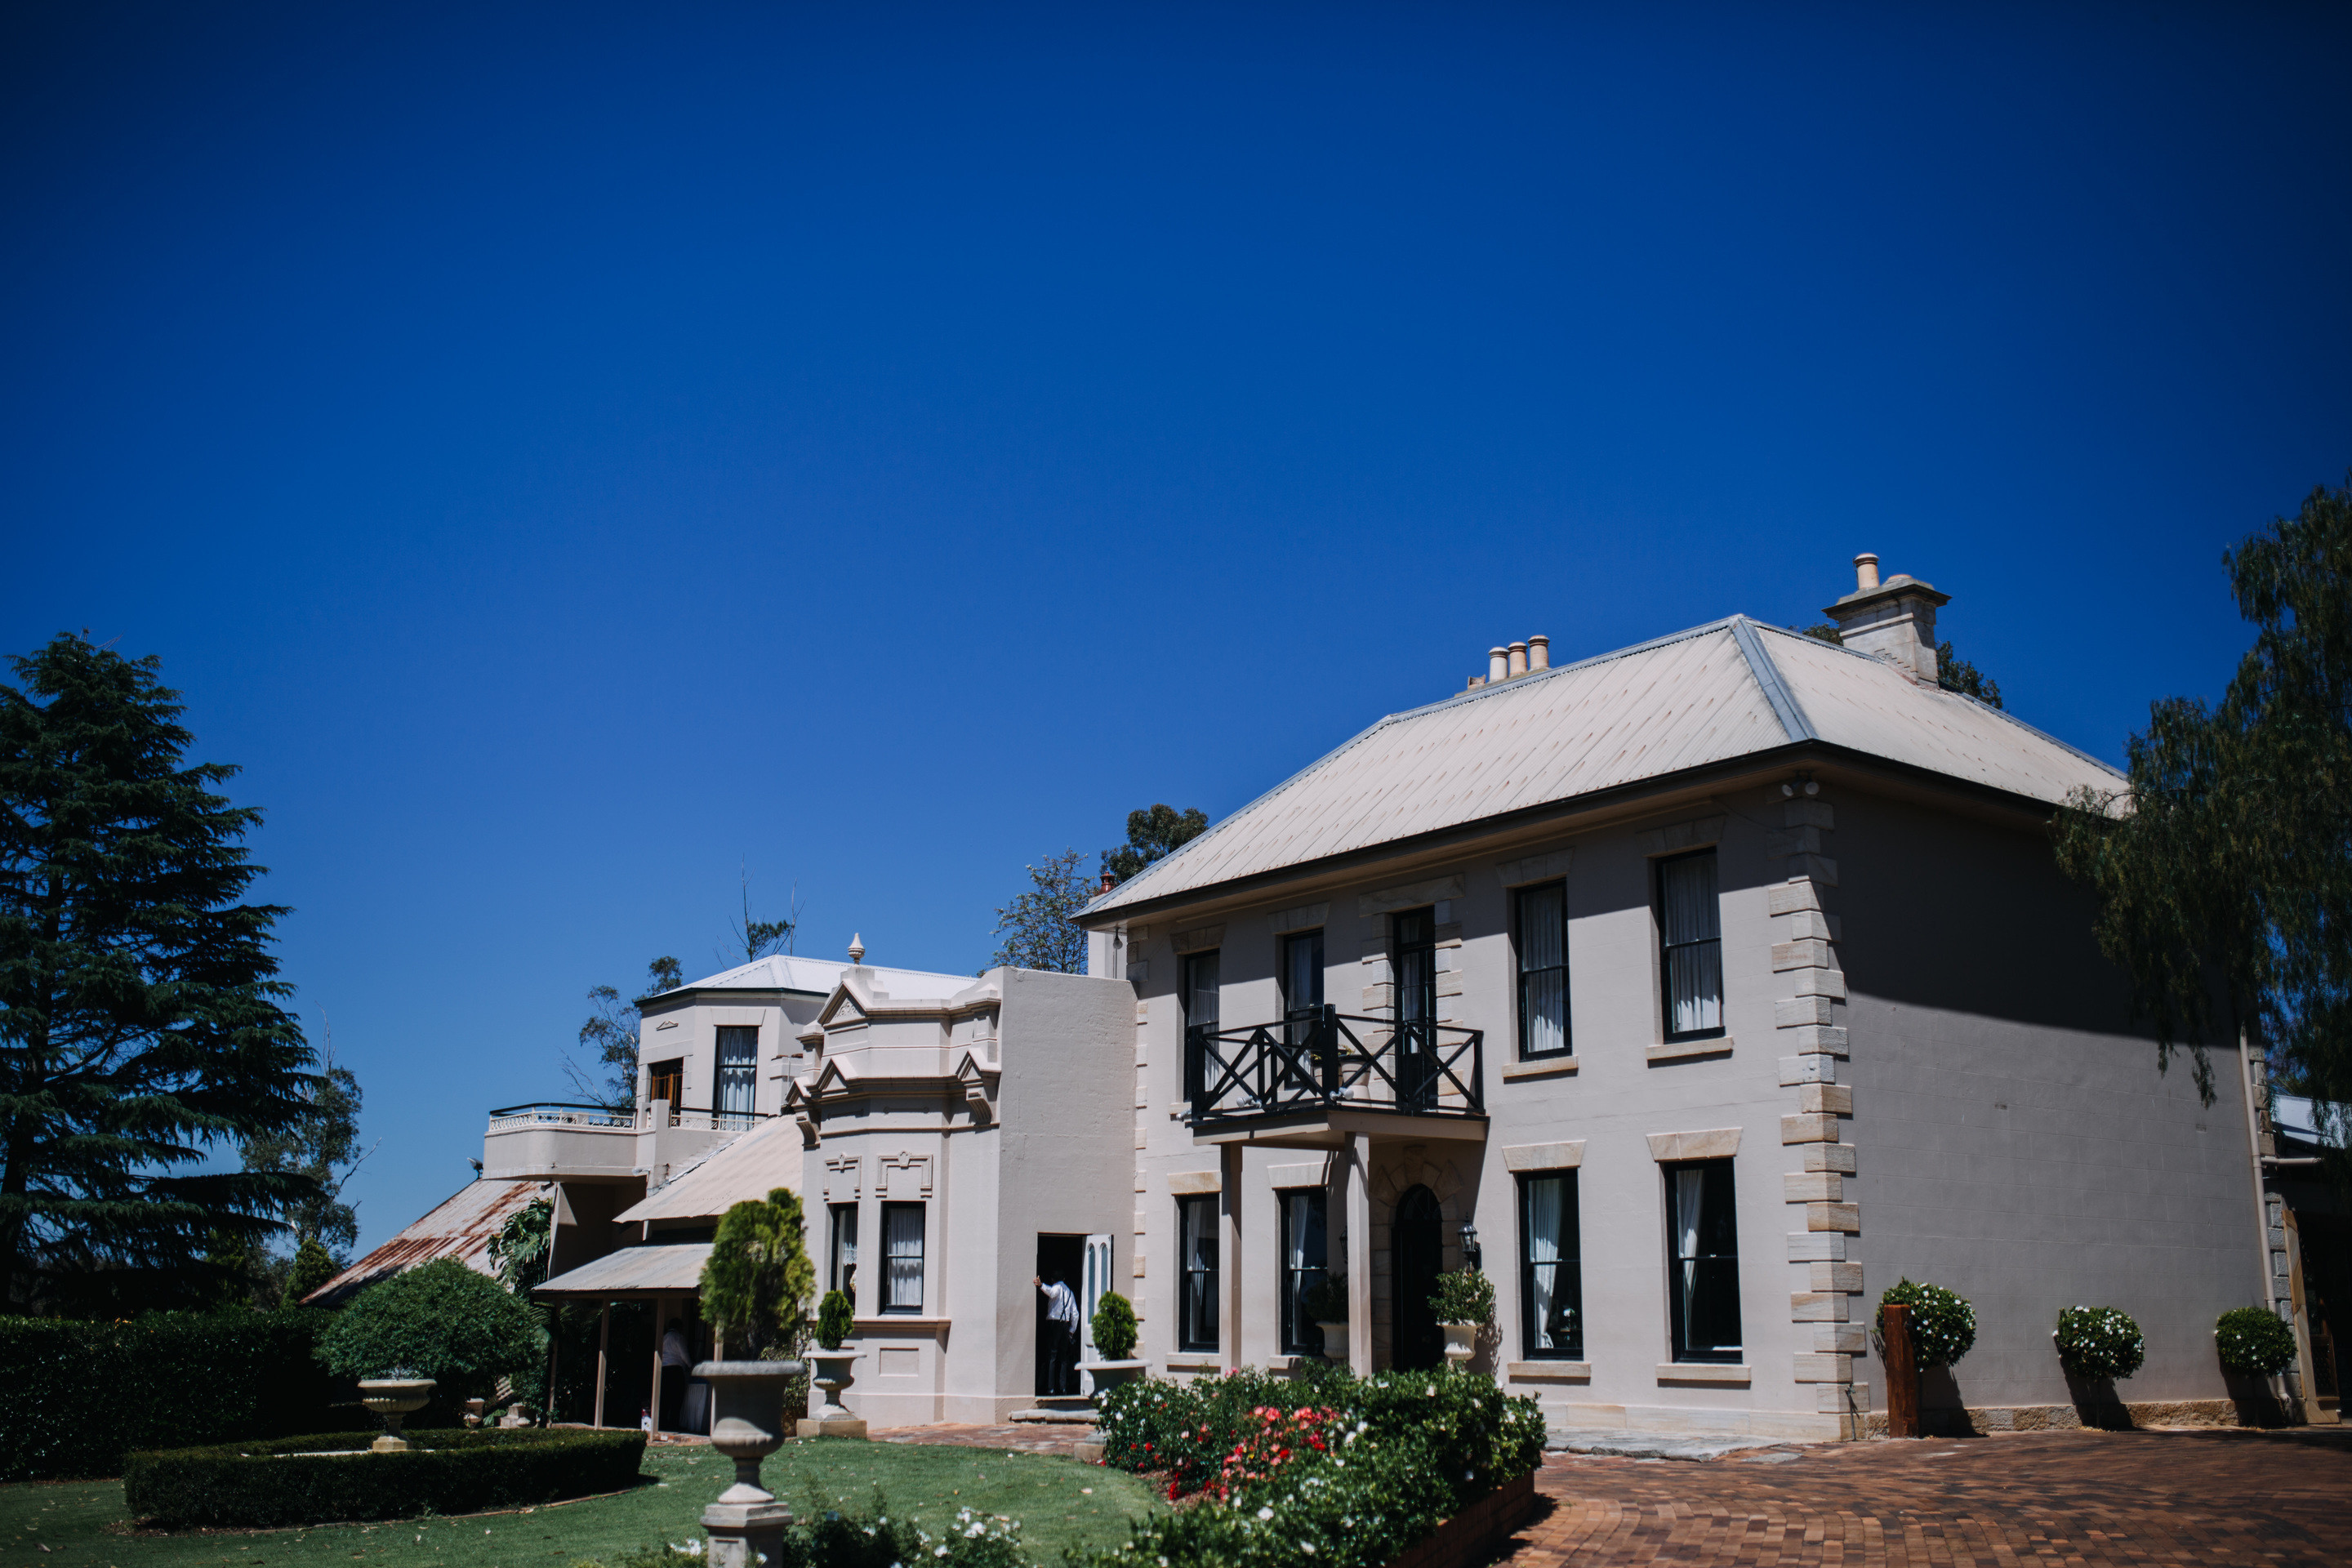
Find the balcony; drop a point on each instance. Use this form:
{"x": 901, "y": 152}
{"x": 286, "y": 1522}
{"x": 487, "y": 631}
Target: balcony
{"x": 1310, "y": 1082}
{"x": 550, "y": 1139}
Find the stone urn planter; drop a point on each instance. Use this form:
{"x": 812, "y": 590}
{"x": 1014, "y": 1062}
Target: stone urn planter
{"x": 391, "y": 1398}
{"x": 1461, "y": 1343}
{"x": 831, "y": 1374}
{"x": 1111, "y": 1374}
{"x": 1335, "y": 1341}
{"x": 746, "y": 1525}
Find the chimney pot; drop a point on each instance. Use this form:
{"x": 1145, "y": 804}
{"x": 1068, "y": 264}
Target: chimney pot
{"x": 1108, "y": 881}
{"x": 1498, "y": 665}
{"x": 1866, "y": 572}
{"x": 1518, "y": 658}
{"x": 1539, "y": 653}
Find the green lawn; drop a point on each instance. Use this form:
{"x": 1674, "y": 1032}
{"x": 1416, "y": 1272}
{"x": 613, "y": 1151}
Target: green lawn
{"x": 1058, "y": 1502}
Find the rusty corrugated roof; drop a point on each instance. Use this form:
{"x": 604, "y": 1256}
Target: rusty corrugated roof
{"x": 461, "y": 1226}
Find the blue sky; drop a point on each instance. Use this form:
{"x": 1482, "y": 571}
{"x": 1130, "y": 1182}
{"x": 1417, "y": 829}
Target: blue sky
{"x": 567, "y": 453}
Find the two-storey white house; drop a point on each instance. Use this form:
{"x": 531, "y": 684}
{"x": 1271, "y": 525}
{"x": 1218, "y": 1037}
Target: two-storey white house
{"x": 1703, "y": 990}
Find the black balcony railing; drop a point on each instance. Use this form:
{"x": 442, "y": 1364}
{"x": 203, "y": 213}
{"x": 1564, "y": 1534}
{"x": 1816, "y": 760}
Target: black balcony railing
{"x": 1330, "y": 1060}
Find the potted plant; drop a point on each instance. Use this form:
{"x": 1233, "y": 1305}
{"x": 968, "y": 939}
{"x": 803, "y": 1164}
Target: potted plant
{"x": 755, "y": 1293}
{"x": 1116, "y": 1332}
{"x": 831, "y": 1418}
{"x": 1464, "y": 1302}
{"x": 1326, "y": 1303}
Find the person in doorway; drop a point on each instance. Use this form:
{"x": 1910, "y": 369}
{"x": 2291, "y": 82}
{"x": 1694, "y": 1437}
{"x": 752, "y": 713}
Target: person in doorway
{"x": 674, "y": 1361}
{"x": 1061, "y": 1310}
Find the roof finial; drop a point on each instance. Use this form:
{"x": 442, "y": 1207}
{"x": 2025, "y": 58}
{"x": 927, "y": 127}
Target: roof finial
{"x": 856, "y": 949}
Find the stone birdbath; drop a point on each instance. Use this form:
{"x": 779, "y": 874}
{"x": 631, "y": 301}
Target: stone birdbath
{"x": 746, "y": 1525}
{"x": 391, "y": 1398}
{"x": 832, "y": 1419}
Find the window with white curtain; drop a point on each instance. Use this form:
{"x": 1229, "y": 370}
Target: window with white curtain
{"x": 1541, "y": 927}
{"x": 1690, "y": 930}
{"x": 902, "y": 1258}
{"x": 842, "y": 1273}
{"x": 1551, "y": 1268}
{"x": 739, "y": 1056}
{"x": 1304, "y": 1257}
{"x": 1702, "y": 1271}
{"x": 1203, "y": 979}
{"x": 1196, "y": 1271}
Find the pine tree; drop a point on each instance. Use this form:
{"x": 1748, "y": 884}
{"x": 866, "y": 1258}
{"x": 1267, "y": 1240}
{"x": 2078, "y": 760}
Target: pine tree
{"x": 140, "y": 1019}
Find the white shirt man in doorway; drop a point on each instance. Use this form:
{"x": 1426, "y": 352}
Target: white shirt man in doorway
{"x": 1060, "y": 1306}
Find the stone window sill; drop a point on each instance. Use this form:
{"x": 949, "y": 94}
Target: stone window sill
{"x": 1702, "y": 1372}
{"x": 1542, "y": 1067}
{"x": 1194, "y": 1363}
{"x": 1548, "y": 1372}
{"x": 1684, "y": 1050}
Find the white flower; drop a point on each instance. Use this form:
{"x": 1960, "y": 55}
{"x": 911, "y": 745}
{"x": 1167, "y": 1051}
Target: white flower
{"x": 1265, "y": 1513}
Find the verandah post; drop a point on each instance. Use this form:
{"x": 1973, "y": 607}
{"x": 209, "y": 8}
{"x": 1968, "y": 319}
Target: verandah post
{"x": 1902, "y": 1371}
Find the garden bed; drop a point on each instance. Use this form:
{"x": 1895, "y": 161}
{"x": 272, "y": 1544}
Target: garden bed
{"x": 309, "y": 1481}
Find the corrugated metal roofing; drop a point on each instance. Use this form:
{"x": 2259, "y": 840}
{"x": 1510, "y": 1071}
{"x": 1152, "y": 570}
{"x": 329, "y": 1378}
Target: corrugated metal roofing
{"x": 461, "y": 1226}
{"x": 749, "y": 1166}
{"x": 789, "y": 972}
{"x": 1709, "y": 694}
{"x": 635, "y": 1271}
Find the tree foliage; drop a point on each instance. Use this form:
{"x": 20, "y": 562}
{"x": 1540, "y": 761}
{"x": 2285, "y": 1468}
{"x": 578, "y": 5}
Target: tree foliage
{"x": 1038, "y": 930}
{"x": 521, "y": 1250}
{"x": 609, "y": 1035}
{"x": 322, "y": 1145}
{"x": 757, "y": 1282}
{"x": 140, "y": 1016}
{"x": 757, "y": 937}
{"x": 1153, "y": 833}
{"x": 440, "y": 1320}
{"x": 2223, "y": 868}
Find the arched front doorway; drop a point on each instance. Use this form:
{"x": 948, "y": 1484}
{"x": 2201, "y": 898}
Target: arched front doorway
{"x": 1418, "y": 1251}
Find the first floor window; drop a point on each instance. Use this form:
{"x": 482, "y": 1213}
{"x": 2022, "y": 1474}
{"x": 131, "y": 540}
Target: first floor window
{"x": 1303, "y": 1262}
{"x": 841, "y": 1273}
{"x": 1551, "y": 1269}
{"x": 1703, "y": 1278}
{"x": 739, "y": 1053}
{"x": 1543, "y": 931}
{"x": 1196, "y": 1272}
{"x": 1690, "y": 936}
{"x": 902, "y": 1258}
{"x": 1200, "y": 999}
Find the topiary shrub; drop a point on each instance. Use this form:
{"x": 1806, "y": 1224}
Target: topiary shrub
{"x": 757, "y": 1283}
{"x": 2253, "y": 1341}
{"x": 1115, "y": 1327}
{"x": 440, "y": 1321}
{"x": 835, "y": 1320}
{"x": 2099, "y": 1343}
{"x": 1463, "y": 1296}
{"x": 267, "y": 1485}
{"x": 1943, "y": 1325}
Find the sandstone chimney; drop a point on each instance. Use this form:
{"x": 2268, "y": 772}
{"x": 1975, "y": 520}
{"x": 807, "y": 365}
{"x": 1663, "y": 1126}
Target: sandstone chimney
{"x": 1894, "y": 620}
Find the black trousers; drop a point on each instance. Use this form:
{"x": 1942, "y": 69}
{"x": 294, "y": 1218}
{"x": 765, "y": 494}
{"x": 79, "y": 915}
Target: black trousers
{"x": 1061, "y": 1359}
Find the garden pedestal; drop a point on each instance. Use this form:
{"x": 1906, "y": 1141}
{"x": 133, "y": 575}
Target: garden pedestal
{"x": 744, "y": 1534}
{"x": 831, "y": 1374}
{"x": 747, "y": 1523}
{"x": 391, "y": 1398}
{"x": 1461, "y": 1343}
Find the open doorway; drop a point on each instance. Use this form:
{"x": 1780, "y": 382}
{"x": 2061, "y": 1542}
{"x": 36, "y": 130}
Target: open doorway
{"x": 1061, "y": 1260}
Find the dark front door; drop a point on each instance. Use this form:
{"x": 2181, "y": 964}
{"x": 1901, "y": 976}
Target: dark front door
{"x": 1060, "y": 1259}
{"x": 1419, "y": 1241}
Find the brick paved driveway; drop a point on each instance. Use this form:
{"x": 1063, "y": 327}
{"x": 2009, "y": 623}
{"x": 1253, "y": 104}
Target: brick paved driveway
{"x": 2031, "y": 1498}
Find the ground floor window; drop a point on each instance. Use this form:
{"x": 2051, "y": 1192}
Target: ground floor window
{"x": 841, "y": 1269}
{"x": 1303, "y": 1261}
{"x": 1551, "y": 1269}
{"x": 1196, "y": 1274}
{"x": 902, "y": 1250}
{"x": 1703, "y": 1276}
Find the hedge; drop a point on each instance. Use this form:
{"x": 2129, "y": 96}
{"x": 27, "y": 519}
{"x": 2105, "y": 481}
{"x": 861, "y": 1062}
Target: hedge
{"x": 258, "y": 1485}
{"x": 1328, "y": 1468}
{"x": 75, "y": 1397}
